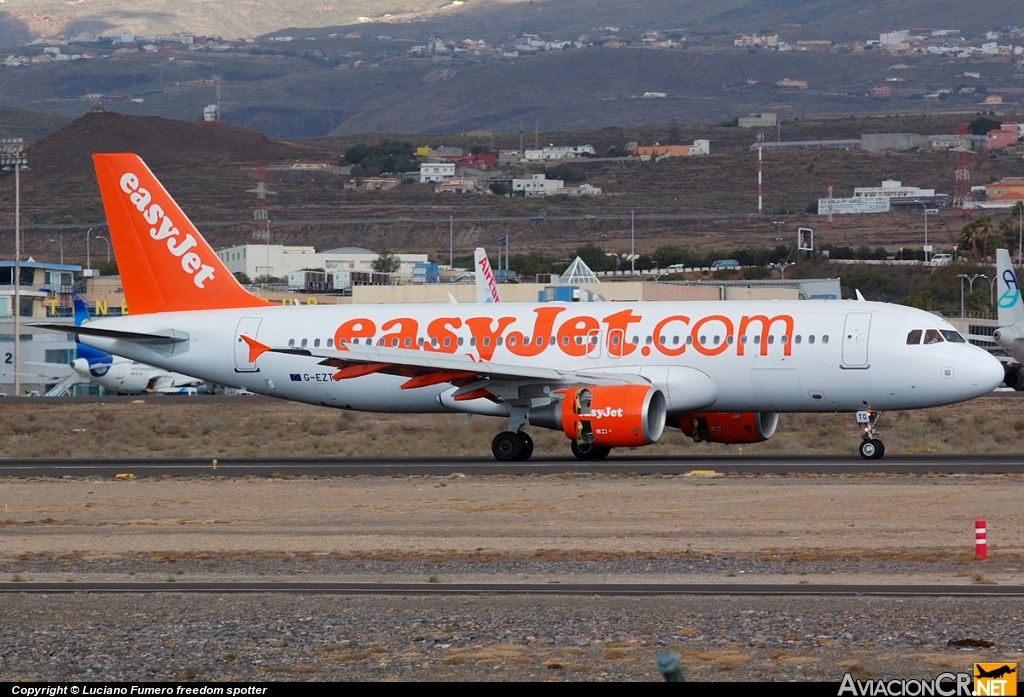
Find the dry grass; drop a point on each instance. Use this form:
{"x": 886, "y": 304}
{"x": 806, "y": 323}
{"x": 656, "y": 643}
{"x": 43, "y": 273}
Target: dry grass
{"x": 258, "y": 427}
{"x": 723, "y": 659}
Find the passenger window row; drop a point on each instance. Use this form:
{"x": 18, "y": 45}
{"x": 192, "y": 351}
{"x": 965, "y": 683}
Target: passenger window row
{"x": 551, "y": 341}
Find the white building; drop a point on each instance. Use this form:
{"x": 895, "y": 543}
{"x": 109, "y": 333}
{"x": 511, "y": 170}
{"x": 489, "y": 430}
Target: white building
{"x": 847, "y": 206}
{"x": 894, "y": 38}
{"x": 758, "y": 120}
{"x": 256, "y": 260}
{"x": 700, "y": 147}
{"x": 551, "y": 152}
{"x": 580, "y": 190}
{"x": 891, "y": 188}
{"x": 537, "y": 185}
{"x": 436, "y": 171}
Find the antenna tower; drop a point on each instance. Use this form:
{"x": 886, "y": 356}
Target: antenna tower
{"x": 260, "y": 218}
{"x": 760, "y": 147}
{"x": 962, "y": 184}
{"x": 830, "y": 201}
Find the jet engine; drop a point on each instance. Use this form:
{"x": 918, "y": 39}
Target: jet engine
{"x": 610, "y": 416}
{"x": 728, "y": 427}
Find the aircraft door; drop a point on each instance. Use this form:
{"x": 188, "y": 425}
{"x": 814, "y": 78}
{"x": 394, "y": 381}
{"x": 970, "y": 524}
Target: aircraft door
{"x": 247, "y": 326}
{"x": 855, "y": 340}
{"x": 616, "y": 339}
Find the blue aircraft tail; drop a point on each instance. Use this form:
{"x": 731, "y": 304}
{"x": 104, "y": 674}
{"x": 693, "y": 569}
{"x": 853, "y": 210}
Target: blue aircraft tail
{"x": 99, "y": 361}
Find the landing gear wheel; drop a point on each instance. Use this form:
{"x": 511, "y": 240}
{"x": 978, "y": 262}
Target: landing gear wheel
{"x": 589, "y": 451}
{"x": 508, "y": 446}
{"x": 872, "y": 449}
{"x": 527, "y": 445}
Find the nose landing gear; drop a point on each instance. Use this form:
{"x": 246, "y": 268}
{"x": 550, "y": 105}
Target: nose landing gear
{"x": 870, "y": 447}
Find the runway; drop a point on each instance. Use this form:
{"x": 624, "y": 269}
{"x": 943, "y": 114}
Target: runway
{"x": 482, "y": 466}
{"x": 494, "y": 589}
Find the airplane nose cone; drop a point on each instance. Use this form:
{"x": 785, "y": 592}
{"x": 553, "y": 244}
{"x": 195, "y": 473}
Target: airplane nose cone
{"x": 987, "y": 374}
{"x": 80, "y": 366}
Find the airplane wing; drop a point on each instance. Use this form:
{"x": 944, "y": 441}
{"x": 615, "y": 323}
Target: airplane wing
{"x": 424, "y": 369}
{"x": 173, "y": 383}
{"x": 44, "y": 375}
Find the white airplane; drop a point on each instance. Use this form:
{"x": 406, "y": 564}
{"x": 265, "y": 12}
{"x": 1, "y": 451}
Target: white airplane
{"x": 1010, "y": 313}
{"x": 605, "y": 374}
{"x": 122, "y": 375}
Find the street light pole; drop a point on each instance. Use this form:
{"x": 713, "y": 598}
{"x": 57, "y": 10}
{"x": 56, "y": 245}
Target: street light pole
{"x": 971, "y": 278}
{"x": 61, "y": 243}
{"x": 1019, "y": 209}
{"x": 12, "y": 153}
{"x": 101, "y": 237}
{"x": 925, "y": 207}
{"x": 88, "y": 258}
{"x": 632, "y": 244}
{"x": 17, "y": 276}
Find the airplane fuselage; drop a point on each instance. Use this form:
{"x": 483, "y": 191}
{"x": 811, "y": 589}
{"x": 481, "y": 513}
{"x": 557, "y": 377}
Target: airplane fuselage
{"x": 790, "y": 356}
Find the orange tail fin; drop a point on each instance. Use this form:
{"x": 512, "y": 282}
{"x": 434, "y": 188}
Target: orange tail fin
{"x": 165, "y": 264}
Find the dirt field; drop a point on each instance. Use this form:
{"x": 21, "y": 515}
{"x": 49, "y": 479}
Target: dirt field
{"x": 841, "y": 529}
{"x": 920, "y": 519}
{"x": 256, "y": 426}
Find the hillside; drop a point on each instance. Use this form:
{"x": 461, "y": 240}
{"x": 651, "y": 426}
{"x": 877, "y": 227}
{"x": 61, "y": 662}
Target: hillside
{"x": 207, "y": 168}
{"x": 287, "y": 94}
{"x": 60, "y": 185}
{"x": 22, "y": 20}
{"x": 30, "y": 125}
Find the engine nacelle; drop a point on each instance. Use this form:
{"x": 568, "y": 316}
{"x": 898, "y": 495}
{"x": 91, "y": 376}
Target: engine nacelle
{"x": 729, "y": 427}
{"x": 613, "y": 416}
{"x": 1006, "y": 336}
{"x": 1014, "y": 378}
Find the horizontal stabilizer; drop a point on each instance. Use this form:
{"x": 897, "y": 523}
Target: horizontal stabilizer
{"x": 134, "y": 337}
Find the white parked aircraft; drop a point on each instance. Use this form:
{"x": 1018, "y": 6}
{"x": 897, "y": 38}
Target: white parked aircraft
{"x": 486, "y": 284}
{"x": 605, "y": 374}
{"x": 1010, "y": 313}
{"x": 122, "y": 375}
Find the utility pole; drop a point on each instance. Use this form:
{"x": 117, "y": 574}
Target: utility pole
{"x": 760, "y": 147}
{"x": 451, "y": 240}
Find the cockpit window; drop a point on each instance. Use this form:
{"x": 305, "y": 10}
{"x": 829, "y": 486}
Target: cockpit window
{"x": 953, "y": 336}
{"x": 932, "y": 336}
{"x": 914, "y": 337}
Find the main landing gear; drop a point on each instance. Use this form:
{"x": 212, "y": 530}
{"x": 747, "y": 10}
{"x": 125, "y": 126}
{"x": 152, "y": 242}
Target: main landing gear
{"x": 509, "y": 446}
{"x": 870, "y": 447}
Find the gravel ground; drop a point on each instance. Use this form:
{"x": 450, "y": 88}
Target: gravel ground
{"x": 738, "y": 529}
{"x": 274, "y": 637}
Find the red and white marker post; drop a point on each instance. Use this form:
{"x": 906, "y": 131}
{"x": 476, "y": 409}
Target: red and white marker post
{"x": 980, "y": 540}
